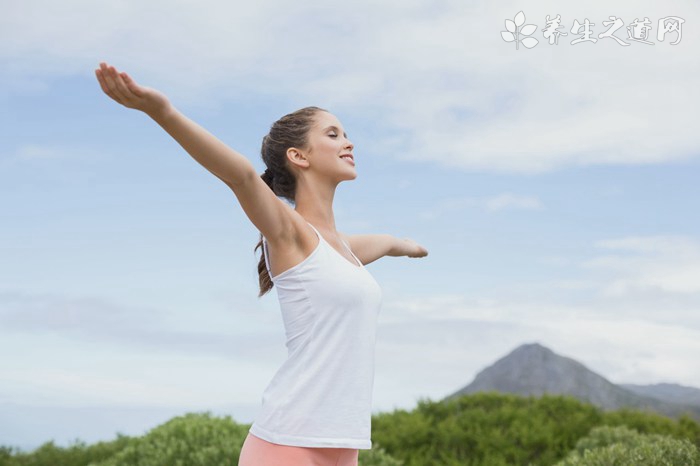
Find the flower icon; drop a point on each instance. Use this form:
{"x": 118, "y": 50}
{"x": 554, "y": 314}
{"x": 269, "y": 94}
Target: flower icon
{"x": 513, "y": 34}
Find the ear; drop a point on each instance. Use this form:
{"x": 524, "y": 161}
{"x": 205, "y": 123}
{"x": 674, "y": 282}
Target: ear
{"x": 296, "y": 157}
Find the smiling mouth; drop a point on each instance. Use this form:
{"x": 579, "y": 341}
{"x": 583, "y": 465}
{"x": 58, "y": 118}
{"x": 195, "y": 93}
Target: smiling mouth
{"x": 349, "y": 159}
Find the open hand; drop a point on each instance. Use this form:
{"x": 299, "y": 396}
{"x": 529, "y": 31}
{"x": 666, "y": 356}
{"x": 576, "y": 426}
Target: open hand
{"x": 412, "y": 249}
{"x": 124, "y": 90}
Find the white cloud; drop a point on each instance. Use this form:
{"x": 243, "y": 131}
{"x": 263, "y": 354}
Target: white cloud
{"x": 649, "y": 332}
{"x": 112, "y": 325}
{"x": 38, "y": 155}
{"x": 440, "y": 75}
{"x": 669, "y": 264}
{"x": 34, "y": 151}
{"x": 503, "y": 201}
{"x": 468, "y": 335}
{"x": 82, "y": 388}
{"x": 511, "y": 201}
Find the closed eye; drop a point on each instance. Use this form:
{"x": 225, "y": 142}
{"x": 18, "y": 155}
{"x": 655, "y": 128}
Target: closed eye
{"x": 335, "y": 130}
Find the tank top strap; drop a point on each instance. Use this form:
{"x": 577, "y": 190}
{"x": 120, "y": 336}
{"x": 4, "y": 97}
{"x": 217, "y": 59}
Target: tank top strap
{"x": 359, "y": 262}
{"x": 345, "y": 243}
{"x": 319, "y": 234}
{"x": 267, "y": 257}
{"x": 320, "y": 239}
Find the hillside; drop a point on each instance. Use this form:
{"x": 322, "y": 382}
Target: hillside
{"x": 532, "y": 369}
{"x": 667, "y": 392}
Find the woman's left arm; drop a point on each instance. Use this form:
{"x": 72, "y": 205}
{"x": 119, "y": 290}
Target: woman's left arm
{"x": 369, "y": 248}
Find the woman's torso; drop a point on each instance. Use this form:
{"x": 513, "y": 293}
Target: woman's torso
{"x": 321, "y": 395}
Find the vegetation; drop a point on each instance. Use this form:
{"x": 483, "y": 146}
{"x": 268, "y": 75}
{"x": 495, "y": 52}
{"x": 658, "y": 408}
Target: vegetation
{"x": 79, "y": 453}
{"x": 606, "y": 446}
{"x": 485, "y": 429}
{"x": 492, "y": 429}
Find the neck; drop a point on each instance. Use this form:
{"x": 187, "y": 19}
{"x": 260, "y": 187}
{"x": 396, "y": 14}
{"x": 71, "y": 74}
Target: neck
{"x": 314, "y": 202}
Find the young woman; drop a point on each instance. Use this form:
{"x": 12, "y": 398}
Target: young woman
{"x": 317, "y": 409}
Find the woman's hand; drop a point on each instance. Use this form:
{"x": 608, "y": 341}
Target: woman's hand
{"x": 408, "y": 247}
{"x": 124, "y": 90}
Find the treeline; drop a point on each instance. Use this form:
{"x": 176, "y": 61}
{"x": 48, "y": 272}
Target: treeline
{"x": 194, "y": 439}
{"x": 489, "y": 429}
{"x": 486, "y": 429}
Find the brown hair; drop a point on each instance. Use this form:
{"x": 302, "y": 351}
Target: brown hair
{"x": 291, "y": 130}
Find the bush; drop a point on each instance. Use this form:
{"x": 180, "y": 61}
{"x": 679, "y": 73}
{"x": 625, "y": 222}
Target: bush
{"x": 190, "y": 440}
{"x": 650, "y": 423}
{"x": 77, "y": 454}
{"x": 485, "y": 429}
{"x": 621, "y": 446}
{"x": 377, "y": 456}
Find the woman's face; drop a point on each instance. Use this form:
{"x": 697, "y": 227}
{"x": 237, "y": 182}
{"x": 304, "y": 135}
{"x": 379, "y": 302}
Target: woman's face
{"x": 329, "y": 148}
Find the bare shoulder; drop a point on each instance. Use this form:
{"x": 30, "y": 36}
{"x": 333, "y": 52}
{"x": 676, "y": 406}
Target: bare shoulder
{"x": 298, "y": 241}
{"x": 304, "y": 235}
{"x": 290, "y": 249}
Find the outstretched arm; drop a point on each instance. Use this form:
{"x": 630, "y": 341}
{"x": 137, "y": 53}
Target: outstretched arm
{"x": 225, "y": 163}
{"x": 273, "y": 217}
{"x": 369, "y": 248}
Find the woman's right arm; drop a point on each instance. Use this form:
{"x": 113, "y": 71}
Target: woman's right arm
{"x": 222, "y": 161}
{"x": 267, "y": 212}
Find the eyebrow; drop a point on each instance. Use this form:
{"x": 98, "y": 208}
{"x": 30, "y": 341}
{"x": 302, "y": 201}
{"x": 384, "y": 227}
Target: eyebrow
{"x": 335, "y": 128}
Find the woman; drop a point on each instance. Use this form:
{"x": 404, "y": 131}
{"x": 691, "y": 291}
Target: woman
{"x": 317, "y": 408}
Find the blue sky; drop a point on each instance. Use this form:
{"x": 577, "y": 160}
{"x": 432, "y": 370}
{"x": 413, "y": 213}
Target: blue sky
{"x": 554, "y": 187}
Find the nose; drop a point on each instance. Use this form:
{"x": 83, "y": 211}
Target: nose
{"x": 349, "y": 145}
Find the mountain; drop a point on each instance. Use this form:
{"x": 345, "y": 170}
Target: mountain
{"x": 532, "y": 369}
{"x": 667, "y": 392}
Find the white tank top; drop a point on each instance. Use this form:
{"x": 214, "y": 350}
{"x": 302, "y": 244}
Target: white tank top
{"x": 321, "y": 396}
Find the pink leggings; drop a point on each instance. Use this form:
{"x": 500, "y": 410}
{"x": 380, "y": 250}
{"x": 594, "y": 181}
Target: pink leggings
{"x": 259, "y": 452}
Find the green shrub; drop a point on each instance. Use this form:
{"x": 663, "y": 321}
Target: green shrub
{"x": 606, "y": 435}
{"x": 190, "y": 440}
{"x": 485, "y": 429}
{"x": 77, "y": 454}
{"x": 491, "y": 429}
{"x": 377, "y": 456}
{"x": 650, "y": 423}
{"x": 621, "y": 446}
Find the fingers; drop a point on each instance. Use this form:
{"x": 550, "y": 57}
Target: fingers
{"x": 98, "y": 74}
{"x": 119, "y": 88}
{"x": 105, "y": 87}
{"x": 133, "y": 87}
{"x": 113, "y": 84}
{"x": 107, "y": 82}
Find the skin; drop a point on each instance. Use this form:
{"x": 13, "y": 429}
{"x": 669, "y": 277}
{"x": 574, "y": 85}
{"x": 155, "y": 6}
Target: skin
{"x": 317, "y": 167}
